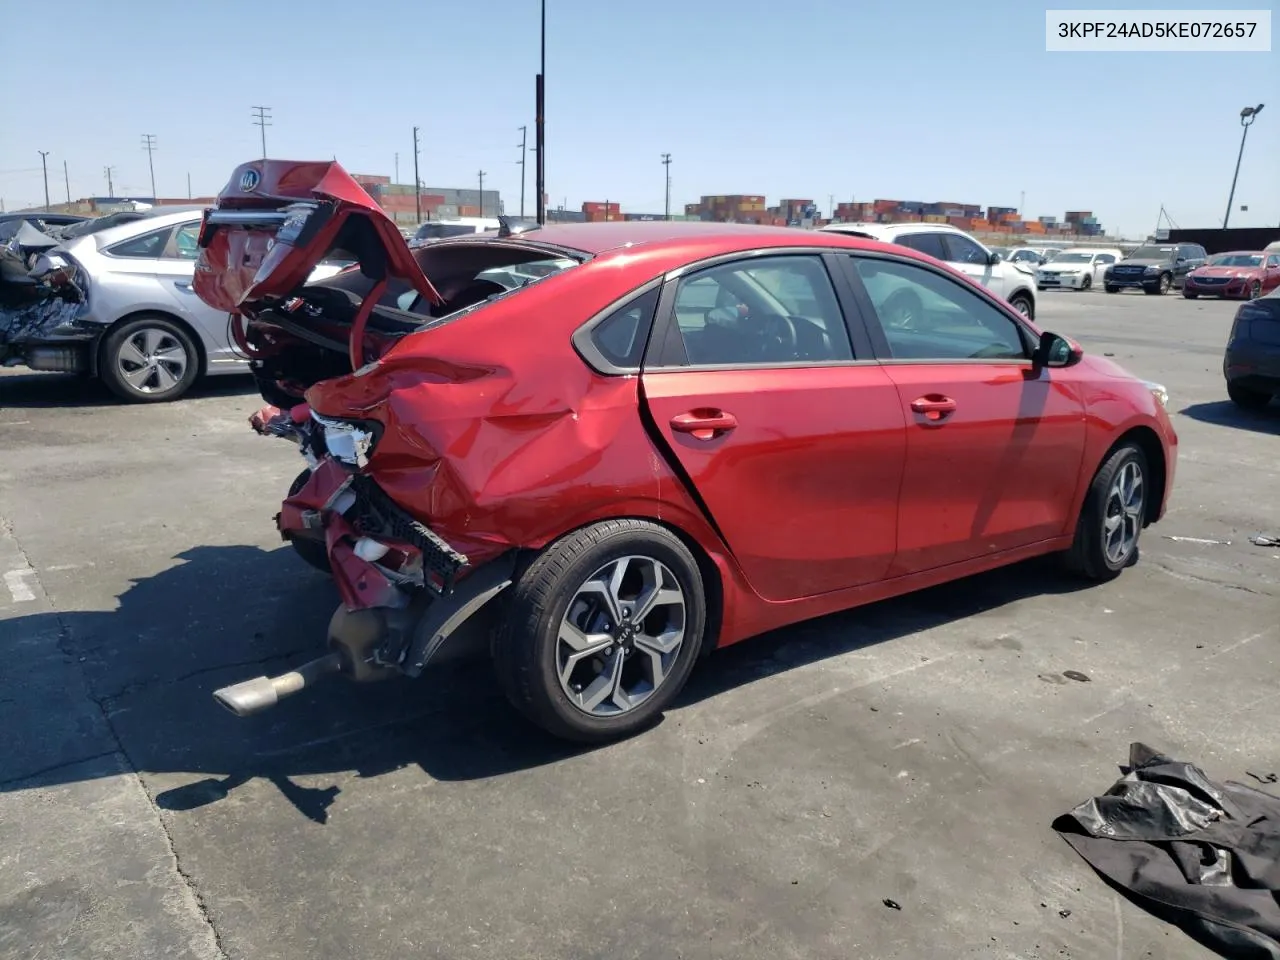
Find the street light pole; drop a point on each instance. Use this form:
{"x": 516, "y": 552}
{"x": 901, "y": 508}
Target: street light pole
{"x": 66, "y": 179}
{"x": 666, "y": 162}
{"x": 417, "y": 184}
{"x": 524, "y": 152}
{"x": 1247, "y": 116}
{"x": 45, "y": 165}
{"x": 482, "y": 193}
{"x": 149, "y": 145}
{"x": 540, "y": 134}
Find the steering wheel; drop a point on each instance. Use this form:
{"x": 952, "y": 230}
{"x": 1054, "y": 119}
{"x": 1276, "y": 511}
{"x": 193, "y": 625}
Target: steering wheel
{"x": 902, "y": 310}
{"x": 994, "y": 351}
{"x": 778, "y": 332}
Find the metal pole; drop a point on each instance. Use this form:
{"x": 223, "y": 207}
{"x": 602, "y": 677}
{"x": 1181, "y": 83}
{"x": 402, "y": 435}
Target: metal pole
{"x": 417, "y": 183}
{"x": 397, "y": 176}
{"x": 111, "y": 190}
{"x": 45, "y": 165}
{"x": 540, "y": 131}
{"x": 66, "y": 178}
{"x": 482, "y": 193}
{"x": 149, "y": 144}
{"x": 1239, "y": 156}
{"x": 666, "y": 162}
{"x": 189, "y": 186}
{"x": 524, "y": 152}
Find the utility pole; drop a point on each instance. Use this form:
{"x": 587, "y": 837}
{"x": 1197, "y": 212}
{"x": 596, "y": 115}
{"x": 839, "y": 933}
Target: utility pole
{"x": 482, "y": 193}
{"x": 45, "y": 165}
{"x": 831, "y": 205}
{"x": 417, "y": 183}
{"x": 149, "y": 145}
{"x": 262, "y": 120}
{"x": 66, "y": 179}
{"x": 189, "y": 194}
{"x": 1247, "y": 116}
{"x": 524, "y": 151}
{"x": 666, "y": 162}
{"x": 1022, "y": 203}
{"x": 396, "y": 179}
{"x": 111, "y": 191}
{"x": 540, "y": 131}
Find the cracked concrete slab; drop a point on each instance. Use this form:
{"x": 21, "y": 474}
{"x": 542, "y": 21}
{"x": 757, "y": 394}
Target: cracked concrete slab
{"x": 914, "y": 751}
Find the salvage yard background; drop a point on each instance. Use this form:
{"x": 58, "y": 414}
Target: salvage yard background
{"x": 915, "y": 751}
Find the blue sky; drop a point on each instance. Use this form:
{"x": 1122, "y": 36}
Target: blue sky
{"x": 925, "y": 100}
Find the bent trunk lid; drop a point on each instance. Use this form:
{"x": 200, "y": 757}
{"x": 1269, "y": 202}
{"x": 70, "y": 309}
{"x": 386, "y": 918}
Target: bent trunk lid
{"x": 276, "y": 220}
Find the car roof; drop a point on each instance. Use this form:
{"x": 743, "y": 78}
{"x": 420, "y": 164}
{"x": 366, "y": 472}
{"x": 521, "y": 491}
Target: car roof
{"x": 596, "y": 238}
{"x": 1242, "y": 253}
{"x": 882, "y": 229}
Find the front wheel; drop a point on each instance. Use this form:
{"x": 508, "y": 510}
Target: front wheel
{"x": 1022, "y": 303}
{"x": 1110, "y": 288}
{"x": 1112, "y": 516}
{"x": 150, "y": 359}
{"x": 1255, "y": 290}
{"x": 1189, "y": 294}
{"x": 1086, "y": 283}
{"x": 603, "y": 630}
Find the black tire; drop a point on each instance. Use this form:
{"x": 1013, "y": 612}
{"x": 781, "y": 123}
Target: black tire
{"x": 1024, "y": 305}
{"x": 1110, "y": 289}
{"x": 526, "y": 645}
{"x": 1161, "y": 286}
{"x": 1189, "y": 294}
{"x": 313, "y": 551}
{"x": 164, "y": 373}
{"x": 1247, "y": 399}
{"x": 1086, "y": 283}
{"x": 273, "y": 395}
{"x": 1087, "y": 557}
{"x": 1255, "y": 290}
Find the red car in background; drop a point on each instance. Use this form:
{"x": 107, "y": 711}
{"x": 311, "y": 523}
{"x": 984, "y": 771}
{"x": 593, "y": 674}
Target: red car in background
{"x": 1242, "y": 275}
{"x": 666, "y": 438}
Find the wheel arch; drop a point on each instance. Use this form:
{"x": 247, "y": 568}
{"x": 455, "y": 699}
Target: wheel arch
{"x": 1148, "y": 442}
{"x": 196, "y": 339}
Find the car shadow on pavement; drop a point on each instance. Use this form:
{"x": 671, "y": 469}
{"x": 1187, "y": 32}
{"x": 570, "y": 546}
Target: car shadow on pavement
{"x": 31, "y": 390}
{"x": 1224, "y": 413}
{"x": 222, "y": 614}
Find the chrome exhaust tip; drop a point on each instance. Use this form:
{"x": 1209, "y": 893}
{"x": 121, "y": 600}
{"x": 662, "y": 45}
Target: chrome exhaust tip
{"x": 248, "y": 697}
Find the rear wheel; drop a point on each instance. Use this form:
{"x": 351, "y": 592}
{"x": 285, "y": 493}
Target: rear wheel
{"x": 313, "y": 551}
{"x": 1112, "y": 516}
{"x": 603, "y": 630}
{"x": 150, "y": 359}
{"x": 1246, "y": 398}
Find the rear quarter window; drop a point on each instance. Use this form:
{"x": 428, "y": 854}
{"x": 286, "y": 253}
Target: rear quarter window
{"x": 619, "y": 339}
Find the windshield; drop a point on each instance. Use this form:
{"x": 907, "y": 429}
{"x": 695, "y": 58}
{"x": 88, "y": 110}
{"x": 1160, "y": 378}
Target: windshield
{"x": 1073, "y": 258}
{"x": 1236, "y": 260}
{"x": 1151, "y": 253}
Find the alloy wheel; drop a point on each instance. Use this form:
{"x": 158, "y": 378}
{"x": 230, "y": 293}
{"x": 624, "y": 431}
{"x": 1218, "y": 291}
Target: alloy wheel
{"x": 1166, "y": 282}
{"x": 620, "y": 637}
{"x": 1022, "y": 306}
{"x": 152, "y": 360}
{"x": 1122, "y": 515}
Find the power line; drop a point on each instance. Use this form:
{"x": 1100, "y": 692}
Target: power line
{"x": 262, "y": 120}
{"x": 149, "y": 145}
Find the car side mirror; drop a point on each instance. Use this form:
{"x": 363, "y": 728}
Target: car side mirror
{"x": 1181, "y": 260}
{"x": 993, "y": 259}
{"x": 1056, "y": 351}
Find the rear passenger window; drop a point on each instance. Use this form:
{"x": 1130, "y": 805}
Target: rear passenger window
{"x": 149, "y": 246}
{"x": 621, "y": 336}
{"x": 929, "y": 243}
{"x": 761, "y": 311}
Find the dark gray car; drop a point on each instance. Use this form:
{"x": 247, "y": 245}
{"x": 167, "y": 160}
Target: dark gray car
{"x": 1252, "y": 361}
{"x": 1154, "y": 268}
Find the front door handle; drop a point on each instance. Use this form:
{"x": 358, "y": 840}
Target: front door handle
{"x": 934, "y": 407}
{"x": 184, "y": 285}
{"x": 704, "y": 424}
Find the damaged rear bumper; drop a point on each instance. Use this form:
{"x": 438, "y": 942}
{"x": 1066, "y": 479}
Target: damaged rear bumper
{"x": 404, "y": 590}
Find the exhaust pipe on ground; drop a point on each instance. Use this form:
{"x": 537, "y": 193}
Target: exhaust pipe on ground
{"x": 261, "y": 693}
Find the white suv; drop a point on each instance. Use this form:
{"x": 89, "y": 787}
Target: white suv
{"x": 1013, "y": 281}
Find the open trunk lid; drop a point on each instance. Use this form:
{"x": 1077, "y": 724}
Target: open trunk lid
{"x": 276, "y": 220}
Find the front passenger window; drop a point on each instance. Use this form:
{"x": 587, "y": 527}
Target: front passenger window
{"x": 929, "y": 317}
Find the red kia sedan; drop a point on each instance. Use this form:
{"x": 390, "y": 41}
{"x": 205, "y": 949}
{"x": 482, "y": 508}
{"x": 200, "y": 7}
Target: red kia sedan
{"x": 609, "y": 449}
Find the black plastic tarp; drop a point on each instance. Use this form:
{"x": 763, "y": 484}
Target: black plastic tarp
{"x": 1201, "y": 854}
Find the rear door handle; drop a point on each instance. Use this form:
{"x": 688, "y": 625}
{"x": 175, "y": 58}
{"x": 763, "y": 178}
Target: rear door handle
{"x": 704, "y": 424}
{"x": 184, "y": 285}
{"x": 934, "y": 406}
